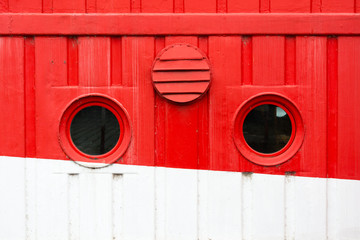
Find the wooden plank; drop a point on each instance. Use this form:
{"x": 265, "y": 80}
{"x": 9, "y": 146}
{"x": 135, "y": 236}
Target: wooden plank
{"x": 159, "y": 114}
{"x": 221, "y": 6}
{"x": 29, "y": 82}
{"x": 143, "y": 123}
{"x": 268, "y": 60}
{"x": 310, "y": 208}
{"x": 13, "y": 198}
{"x": 295, "y": 6}
{"x": 246, "y": 60}
{"x": 73, "y": 61}
{"x": 4, "y": 6}
{"x": 113, "y": 6}
{"x": 225, "y": 56}
{"x": 47, "y": 6}
{"x": 264, "y": 6}
{"x": 267, "y": 200}
{"x": 343, "y": 215}
{"x": 187, "y": 24}
{"x": 248, "y": 6}
{"x": 135, "y": 6}
{"x": 179, "y": 183}
{"x": 335, "y": 6}
{"x": 179, "y": 6}
{"x": 332, "y": 111}
{"x": 116, "y": 61}
{"x": 12, "y": 108}
{"x": 315, "y": 6}
{"x": 157, "y": 6}
{"x": 223, "y": 195}
{"x": 181, "y": 125}
{"x": 128, "y": 50}
{"x": 54, "y": 60}
{"x": 311, "y": 60}
{"x": 69, "y": 6}
{"x": 94, "y": 61}
{"x": 25, "y": 6}
{"x": 137, "y": 215}
{"x": 206, "y": 6}
{"x": 290, "y": 60}
{"x": 348, "y": 114}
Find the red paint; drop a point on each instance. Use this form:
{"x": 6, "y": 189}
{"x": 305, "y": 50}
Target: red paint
{"x": 29, "y": 100}
{"x": 181, "y": 73}
{"x": 186, "y": 24}
{"x": 72, "y": 152}
{"x": 296, "y": 137}
{"x": 287, "y": 53}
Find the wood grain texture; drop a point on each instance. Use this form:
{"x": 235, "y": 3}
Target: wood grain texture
{"x": 187, "y": 24}
{"x": 225, "y": 55}
{"x": 294, "y": 6}
{"x": 29, "y": 99}
{"x": 348, "y": 114}
{"x": 235, "y": 6}
{"x": 94, "y": 61}
{"x": 268, "y": 60}
{"x": 12, "y": 89}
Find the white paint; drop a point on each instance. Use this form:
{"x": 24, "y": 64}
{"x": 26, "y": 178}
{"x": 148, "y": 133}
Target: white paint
{"x": 52, "y": 199}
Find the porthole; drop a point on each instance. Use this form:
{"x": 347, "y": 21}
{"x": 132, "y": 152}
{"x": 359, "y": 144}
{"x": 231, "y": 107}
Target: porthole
{"x": 94, "y": 131}
{"x": 268, "y": 129}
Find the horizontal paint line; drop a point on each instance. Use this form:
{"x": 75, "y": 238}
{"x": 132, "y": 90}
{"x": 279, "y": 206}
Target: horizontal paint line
{"x": 179, "y": 24}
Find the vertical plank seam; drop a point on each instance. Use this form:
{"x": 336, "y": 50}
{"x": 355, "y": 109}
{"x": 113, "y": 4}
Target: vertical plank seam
{"x": 110, "y": 61}
{"x": 116, "y": 178}
{"x": 73, "y": 184}
{"x": 332, "y": 110}
{"x": 246, "y": 205}
{"x": 29, "y": 98}
{"x": 355, "y": 6}
{"x": 289, "y": 206}
{"x": 246, "y": 61}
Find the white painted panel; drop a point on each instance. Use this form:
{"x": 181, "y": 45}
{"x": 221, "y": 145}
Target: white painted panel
{"x": 344, "y": 210}
{"x": 268, "y": 207}
{"x": 31, "y": 210}
{"x": 160, "y": 200}
{"x": 138, "y": 204}
{"x": 181, "y": 204}
{"x": 203, "y": 205}
{"x": 95, "y": 206}
{"x": 12, "y": 198}
{"x": 73, "y": 205}
{"x": 117, "y": 206}
{"x": 290, "y": 206}
{"x": 247, "y": 206}
{"x": 224, "y": 205}
{"x": 50, "y": 201}
{"x": 310, "y": 208}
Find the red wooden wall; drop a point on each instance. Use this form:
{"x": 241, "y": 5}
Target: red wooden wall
{"x": 41, "y": 75}
{"x": 180, "y": 6}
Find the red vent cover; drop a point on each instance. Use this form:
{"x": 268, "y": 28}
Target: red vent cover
{"x": 181, "y": 73}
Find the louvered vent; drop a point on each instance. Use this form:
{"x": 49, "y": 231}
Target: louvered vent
{"x": 181, "y": 73}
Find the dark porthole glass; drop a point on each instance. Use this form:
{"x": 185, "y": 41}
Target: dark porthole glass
{"x": 267, "y": 128}
{"x": 95, "y": 130}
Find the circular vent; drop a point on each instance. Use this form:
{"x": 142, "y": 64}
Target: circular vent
{"x": 181, "y": 73}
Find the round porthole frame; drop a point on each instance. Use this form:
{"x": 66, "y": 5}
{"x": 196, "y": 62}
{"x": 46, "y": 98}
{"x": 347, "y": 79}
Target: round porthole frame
{"x": 297, "y": 132}
{"x": 94, "y": 161}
